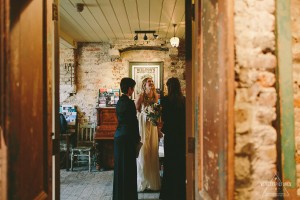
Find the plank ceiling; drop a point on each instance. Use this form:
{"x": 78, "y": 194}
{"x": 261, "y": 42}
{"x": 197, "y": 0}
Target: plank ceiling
{"x": 110, "y": 20}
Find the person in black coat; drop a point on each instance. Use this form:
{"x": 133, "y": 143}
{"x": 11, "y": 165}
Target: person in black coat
{"x": 63, "y": 124}
{"x": 126, "y": 139}
{"x": 173, "y": 117}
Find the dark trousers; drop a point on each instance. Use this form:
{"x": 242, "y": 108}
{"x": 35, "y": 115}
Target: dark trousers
{"x": 173, "y": 183}
{"x": 125, "y": 175}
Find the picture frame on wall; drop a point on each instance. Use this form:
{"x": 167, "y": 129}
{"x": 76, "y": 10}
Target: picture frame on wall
{"x": 138, "y": 71}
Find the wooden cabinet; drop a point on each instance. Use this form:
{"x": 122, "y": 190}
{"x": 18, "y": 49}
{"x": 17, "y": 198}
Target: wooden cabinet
{"x": 104, "y": 136}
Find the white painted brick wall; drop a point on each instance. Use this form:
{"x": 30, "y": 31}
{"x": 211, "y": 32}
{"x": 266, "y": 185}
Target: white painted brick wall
{"x": 67, "y": 59}
{"x": 94, "y": 70}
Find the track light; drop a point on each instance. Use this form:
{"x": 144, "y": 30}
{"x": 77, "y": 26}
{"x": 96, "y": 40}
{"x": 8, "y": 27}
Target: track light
{"x": 145, "y": 37}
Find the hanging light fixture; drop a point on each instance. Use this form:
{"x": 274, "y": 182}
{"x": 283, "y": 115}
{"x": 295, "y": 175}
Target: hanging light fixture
{"x": 145, "y": 34}
{"x": 174, "y": 40}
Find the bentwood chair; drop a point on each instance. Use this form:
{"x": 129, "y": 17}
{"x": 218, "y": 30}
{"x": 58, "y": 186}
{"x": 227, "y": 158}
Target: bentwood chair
{"x": 85, "y": 149}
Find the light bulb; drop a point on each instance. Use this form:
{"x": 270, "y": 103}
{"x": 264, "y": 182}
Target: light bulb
{"x": 174, "y": 41}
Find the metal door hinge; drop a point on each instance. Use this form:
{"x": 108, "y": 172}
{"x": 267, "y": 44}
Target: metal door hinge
{"x": 54, "y": 12}
{"x": 191, "y": 145}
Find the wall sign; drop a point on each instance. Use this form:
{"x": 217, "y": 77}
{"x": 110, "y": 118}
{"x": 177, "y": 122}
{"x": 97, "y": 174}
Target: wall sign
{"x": 141, "y": 70}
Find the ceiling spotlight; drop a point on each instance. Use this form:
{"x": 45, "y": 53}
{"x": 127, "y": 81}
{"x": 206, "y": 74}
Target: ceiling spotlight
{"x": 79, "y": 7}
{"x": 145, "y": 37}
{"x": 136, "y": 37}
{"x": 155, "y": 36}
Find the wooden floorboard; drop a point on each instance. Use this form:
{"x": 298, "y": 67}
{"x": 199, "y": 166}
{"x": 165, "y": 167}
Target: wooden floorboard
{"x": 94, "y": 185}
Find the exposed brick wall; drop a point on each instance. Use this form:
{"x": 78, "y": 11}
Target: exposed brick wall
{"x": 295, "y": 12}
{"x": 66, "y": 73}
{"x": 94, "y": 69}
{"x": 255, "y": 100}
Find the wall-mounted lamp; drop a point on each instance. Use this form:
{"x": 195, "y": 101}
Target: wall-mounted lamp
{"x": 174, "y": 40}
{"x": 136, "y": 37}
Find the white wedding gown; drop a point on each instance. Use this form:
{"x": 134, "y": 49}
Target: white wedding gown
{"x": 148, "y": 161}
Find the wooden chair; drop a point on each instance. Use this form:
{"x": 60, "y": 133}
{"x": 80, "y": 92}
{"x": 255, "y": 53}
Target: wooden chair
{"x": 85, "y": 145}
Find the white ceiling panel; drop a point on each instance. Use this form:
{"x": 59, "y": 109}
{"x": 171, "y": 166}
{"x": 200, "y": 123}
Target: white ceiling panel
{"x": 92, "y": 21}
{"x": 167, "y": 16}
{"x": 155, "y": 13}
{"x": 133, "y": 16}
{"x": 77, "y": 35}
{"x": 143, "y": 11}
{"x": 71, "y": 27}
{"x": 109, "y": 20}
{"x": 77, "y": 17}
{"x": 110, "y": 14}
{"x": 103, "y": 22}
{"x": 121, "y": 15}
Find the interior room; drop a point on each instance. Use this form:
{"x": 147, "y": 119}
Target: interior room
{"x": 100, "y": 43}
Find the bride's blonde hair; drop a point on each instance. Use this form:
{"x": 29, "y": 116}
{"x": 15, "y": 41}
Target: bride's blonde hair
{"x": 144, "y": 82}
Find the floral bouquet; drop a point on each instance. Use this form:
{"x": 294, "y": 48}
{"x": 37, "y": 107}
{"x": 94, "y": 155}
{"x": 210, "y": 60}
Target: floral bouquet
{"x": 153, "y": 112}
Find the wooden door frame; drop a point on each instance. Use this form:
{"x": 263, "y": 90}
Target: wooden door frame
{"x": 285, "y": 109}
{"x": 197, "y": 52}
{"x": 9, "y": 13}
{"x": 4, "y": 28}
{"x": 19, "y": 10}
{"x": 190, "y": 136}
{"x": 52, "y": 27}
{"x": 226, "y": 61}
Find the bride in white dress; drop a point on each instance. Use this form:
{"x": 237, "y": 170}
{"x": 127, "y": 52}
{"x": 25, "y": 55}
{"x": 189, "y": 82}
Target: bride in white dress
{"x": 148, "y": 161}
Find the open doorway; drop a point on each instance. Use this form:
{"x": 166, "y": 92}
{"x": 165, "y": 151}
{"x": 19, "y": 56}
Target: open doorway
{"x": 99, "y": 39}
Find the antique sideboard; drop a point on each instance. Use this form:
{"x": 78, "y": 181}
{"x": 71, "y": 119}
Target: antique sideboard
{"x": 104, "y": 136}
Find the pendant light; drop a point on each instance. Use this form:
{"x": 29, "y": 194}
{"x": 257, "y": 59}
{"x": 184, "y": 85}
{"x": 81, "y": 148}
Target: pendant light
{"x": 174, "y": 40}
